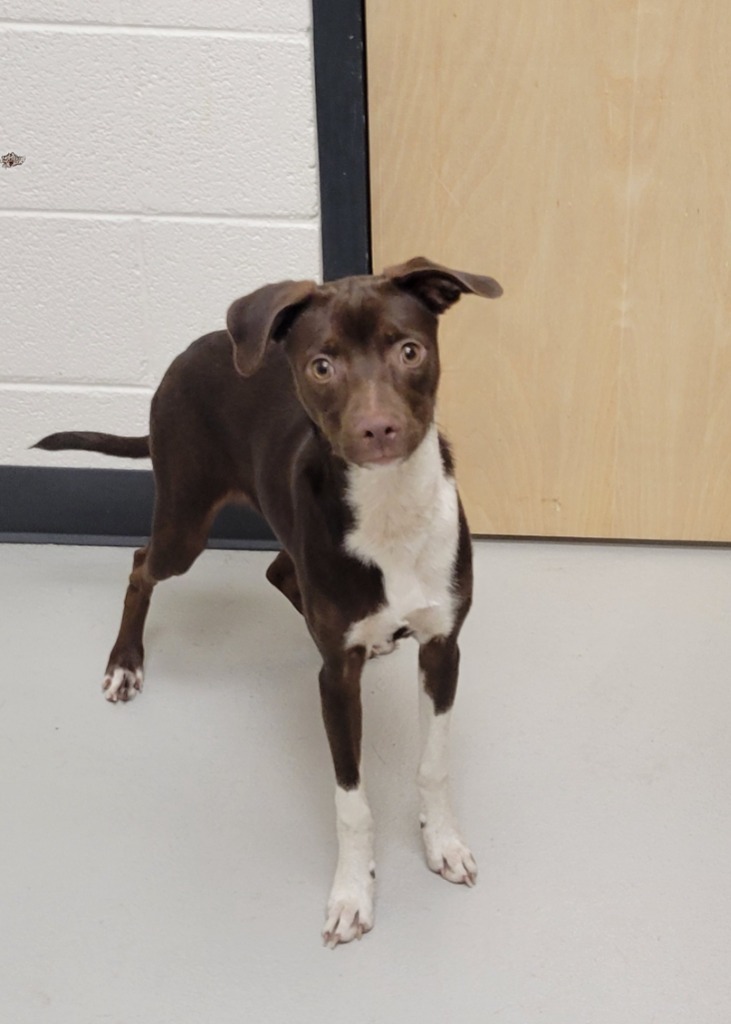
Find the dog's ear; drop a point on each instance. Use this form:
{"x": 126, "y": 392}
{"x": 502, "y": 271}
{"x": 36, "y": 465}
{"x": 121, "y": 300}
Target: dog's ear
{"x": 439, "y": 287}
{"x": 264, "y": 316}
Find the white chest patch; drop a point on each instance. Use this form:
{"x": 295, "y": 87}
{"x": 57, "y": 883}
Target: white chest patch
{"x": 406, "y": 524}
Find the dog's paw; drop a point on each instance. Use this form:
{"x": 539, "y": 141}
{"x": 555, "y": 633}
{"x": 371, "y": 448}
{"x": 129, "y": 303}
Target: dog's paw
{"x": 448, "y": 855}
{"x": 349, "y": 909}
{"x": 349, "y": 915}
{"x": 390, "y": 643}
{"x": 122, "y": 683}
{"x": 387, "y": 647}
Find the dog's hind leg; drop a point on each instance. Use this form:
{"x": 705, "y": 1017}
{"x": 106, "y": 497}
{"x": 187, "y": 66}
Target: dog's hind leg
{"x": 283, "y": 575}
{"x": 179, "y": 534}
{"x": 124, "y": 671}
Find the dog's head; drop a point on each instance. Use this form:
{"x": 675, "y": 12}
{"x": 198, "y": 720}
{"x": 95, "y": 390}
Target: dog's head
{"x": 363, "y": 351}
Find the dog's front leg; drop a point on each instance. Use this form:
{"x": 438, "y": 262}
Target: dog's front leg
{"x": 350, "y": 906}
{"x": 446, "y": 851}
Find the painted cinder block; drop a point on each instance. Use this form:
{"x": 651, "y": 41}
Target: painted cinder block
{"x": 170, "y": 166}
{"x": 29, "y": 412}
{"x": 275, "y": 16}
{"x": 92, "y": 302}
{"x": 161, "y": 123}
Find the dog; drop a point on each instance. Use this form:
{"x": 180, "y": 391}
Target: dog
{"x": 317, "y": 408}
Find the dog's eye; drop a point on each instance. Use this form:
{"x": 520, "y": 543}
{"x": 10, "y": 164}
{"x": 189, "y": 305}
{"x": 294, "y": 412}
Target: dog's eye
{"x": 321, "y": 369}
{"x": 412, "y": 353}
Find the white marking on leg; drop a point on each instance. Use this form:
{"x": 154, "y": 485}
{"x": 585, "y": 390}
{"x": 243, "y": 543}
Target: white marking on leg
{"x": 446, "y": 851}
{"x": 350, "y": 906}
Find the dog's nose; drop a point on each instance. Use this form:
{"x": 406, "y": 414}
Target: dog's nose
{"x": 379, "y": 430}
{"x": 377, "y": 436}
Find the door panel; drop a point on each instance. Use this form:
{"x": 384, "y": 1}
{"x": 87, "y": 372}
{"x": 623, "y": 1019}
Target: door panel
{"x": 580, "y": 154}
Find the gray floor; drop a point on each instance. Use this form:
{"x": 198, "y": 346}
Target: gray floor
{"x": 169, "y": 860}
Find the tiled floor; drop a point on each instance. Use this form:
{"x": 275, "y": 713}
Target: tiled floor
{"x": 169, "y": 860}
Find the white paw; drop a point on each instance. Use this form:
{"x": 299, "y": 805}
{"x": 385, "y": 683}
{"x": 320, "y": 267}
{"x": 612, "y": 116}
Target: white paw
{"x": 349, "y": 914}
{"x": 122, "y": 683}
{"x": 377, "y": 650}
{"x": 448, "y": 855}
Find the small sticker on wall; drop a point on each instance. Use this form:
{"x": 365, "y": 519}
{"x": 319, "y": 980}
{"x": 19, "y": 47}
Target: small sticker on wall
{"x": 12, "y": 160}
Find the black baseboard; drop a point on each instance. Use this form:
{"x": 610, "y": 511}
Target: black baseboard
{"x": 48, "y": 505}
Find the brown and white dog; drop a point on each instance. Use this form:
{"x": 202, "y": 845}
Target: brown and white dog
{"x": 328, "y": 430}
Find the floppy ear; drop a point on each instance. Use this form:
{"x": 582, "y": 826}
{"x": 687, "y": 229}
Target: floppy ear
{"x": 439, "y": 287}
{"x": 264, "y": 316}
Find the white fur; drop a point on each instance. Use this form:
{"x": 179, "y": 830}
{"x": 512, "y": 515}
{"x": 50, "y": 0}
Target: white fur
{"x": 122, "y": 684}
{"x": 407, "y": 524}
{"x": 350, "y": 906}
{"x": 446, "y": 852}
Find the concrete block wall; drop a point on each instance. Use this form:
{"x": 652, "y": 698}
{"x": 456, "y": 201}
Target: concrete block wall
{"x": 170, "y": 166}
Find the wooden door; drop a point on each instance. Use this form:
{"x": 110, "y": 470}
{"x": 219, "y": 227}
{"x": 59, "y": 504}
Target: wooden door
{"x": 581, "y": 154}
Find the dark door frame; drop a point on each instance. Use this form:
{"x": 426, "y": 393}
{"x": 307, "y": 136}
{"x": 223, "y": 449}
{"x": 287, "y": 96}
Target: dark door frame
{"x": 114, "y": 506}
{"x": 342, "y": 131}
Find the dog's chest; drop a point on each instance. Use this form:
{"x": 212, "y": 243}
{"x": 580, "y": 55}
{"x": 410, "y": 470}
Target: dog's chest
{"x": 406, "y": 524}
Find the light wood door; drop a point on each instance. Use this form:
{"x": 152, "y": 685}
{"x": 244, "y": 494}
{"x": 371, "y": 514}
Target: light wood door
{"x": 579, "y": 152}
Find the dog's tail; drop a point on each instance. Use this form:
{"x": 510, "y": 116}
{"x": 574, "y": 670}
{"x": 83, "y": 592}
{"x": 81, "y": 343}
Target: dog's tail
{"x": 88, "y": 441}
